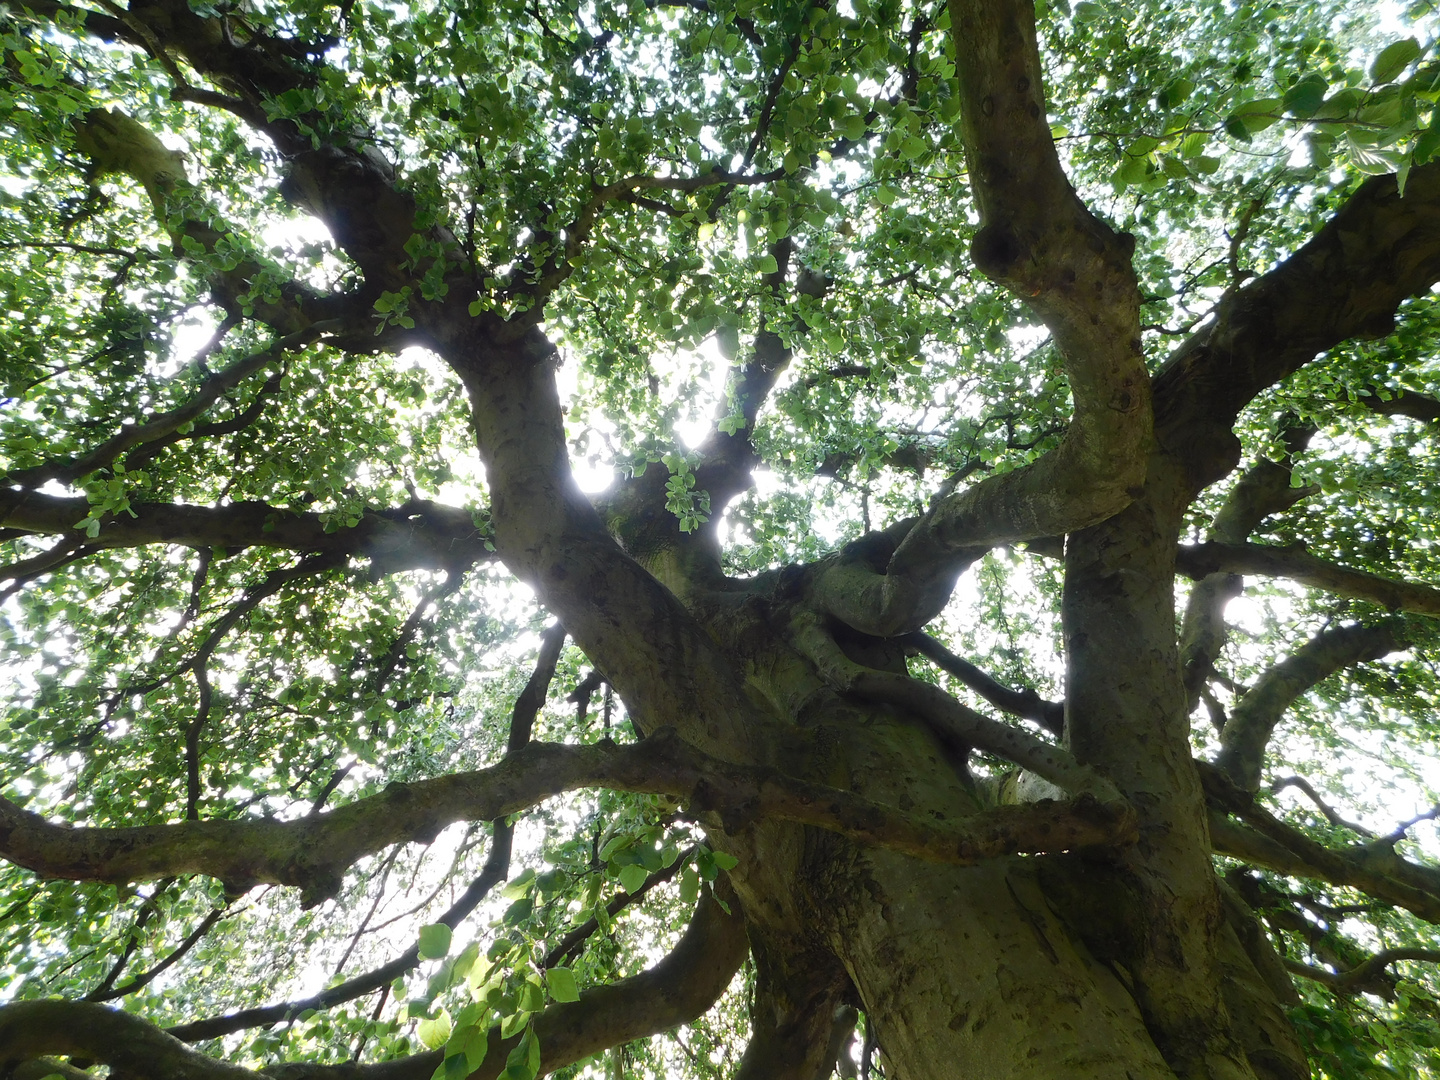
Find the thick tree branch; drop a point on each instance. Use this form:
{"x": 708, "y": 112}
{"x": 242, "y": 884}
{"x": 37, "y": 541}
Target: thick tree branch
{"x": 420, "y": 535}
{"x": 117, "y": 143}
{"x": 1256, "y": 714}
{"x": 1297, "y": 564}
{"x": 679, "y": 988}
{"x": 1347, "y": 282}
{"x": 952, "y": 720}
{"x": 1039, "y": 240}
{"x": 93, "y": 1032}
{"x": 1403, "y": 403}
{"x": 314, "y": 852}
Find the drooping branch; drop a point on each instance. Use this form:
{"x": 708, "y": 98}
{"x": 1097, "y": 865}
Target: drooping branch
{"x": 1261, "y": 839}
{"x": 145, "y": 978}
{"x": 1023, "y": 703}
{"x": 1301, "y": 784}
{"x": 682, "y": 986}
{"x": 1039, "y": 240}
{"x": 419, "y": 535}
{"x": 168, "y": 423}
{"x": 1297, "y": 564}
{"x": 495, "y": 870}
{"x": 314, "y": 852}
{"x": 1256, "y": 714}
{"x": 528, "y": 704}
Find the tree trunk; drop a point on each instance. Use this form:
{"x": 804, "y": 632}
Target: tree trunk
{"x": 1050, "y": 965}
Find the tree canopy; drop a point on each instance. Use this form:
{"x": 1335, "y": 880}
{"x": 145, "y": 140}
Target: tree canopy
{"x": 699, "y": 538}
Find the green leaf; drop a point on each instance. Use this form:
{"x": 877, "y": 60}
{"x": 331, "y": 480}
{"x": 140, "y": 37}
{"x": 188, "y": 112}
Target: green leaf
{"x": 434, "y": 1033}
{"x": 561, "y": 983}
{"x": 766, "y": 264}
{"x": 1394, "y": 59}
{"x": 1253, "y": 116}
{"x": 1306, "y": 96}
{"x": 724, "y": 861}
{"x": 434, "y": 941}
{"x": 632, "y": 877}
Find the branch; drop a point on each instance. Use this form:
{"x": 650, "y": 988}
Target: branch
{"x": 419, "y": 535}
{"x": 1039, "y": 240}
{"x": 1347, "y": 282}
{"x": 117, "y": 143}
{"x": 1358, "y": 978}
{"x": 90, "y": 1031}
{"x": 1265, "y": 489}
{"x": 954, "y": 721}
{"x": 1263, "y": 840}
{"x": 146, "y": 978}
{"x": 1297, "y": 564}
{"x": 1403, "y": 403}
{"x": 314, "y": 852}
{"x": 495, "y": 870}
{"x": 1325, "y": 808}
{"x": 1255, "y": 716}
{"x": 1023, "y": 703}
{"x": 568, "y": 947}
{"x": 681, "y": 987}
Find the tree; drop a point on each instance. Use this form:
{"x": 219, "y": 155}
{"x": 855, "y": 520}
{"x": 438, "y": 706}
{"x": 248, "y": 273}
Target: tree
{"x": 313, "y": 311}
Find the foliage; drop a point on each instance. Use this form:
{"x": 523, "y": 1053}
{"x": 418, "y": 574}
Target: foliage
{"x": 750, "y": 145}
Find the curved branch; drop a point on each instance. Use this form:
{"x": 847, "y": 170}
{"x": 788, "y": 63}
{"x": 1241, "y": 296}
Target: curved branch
{"x": 129, "y": 1045}
{"x": 1297, "y": 564}
{"x": 116, "y": 143}
{"x": 1347, "y": 282}
{"x": 682, "y": 986}
{"x": 1023, "y": 703}
{"x": 1301, "y": 784}
{"x": 1359, "y": 977}
{"x": 1265, "y": 489}
{"x": 1261, "y": 839}
{"x": 1039, "y": 240}
{"x": 1255, "y": 716}
{"x": 314, "y": 852}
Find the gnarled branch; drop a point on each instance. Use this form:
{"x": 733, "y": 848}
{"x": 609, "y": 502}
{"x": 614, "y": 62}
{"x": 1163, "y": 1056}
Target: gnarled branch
{"x": 314, "y": 852}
